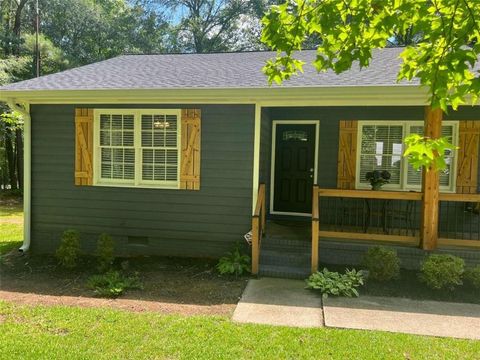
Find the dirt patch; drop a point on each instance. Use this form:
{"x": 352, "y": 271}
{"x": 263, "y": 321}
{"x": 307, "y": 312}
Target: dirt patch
{"x": 9, "y": 198}
{"x": 16, "y": 221}
{"x": 171, "y": 285}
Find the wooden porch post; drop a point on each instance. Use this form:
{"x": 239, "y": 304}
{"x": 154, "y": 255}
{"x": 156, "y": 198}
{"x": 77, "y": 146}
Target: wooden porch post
{"x": 315, "y": 229}
{"x": 255, "y": 244}
{"x": 430, "y": 185}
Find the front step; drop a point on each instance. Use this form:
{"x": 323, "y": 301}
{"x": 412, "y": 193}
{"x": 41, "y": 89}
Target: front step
{"x": 284, "y": 257}
{"x": 281, "y": 259}
{"x": 282, "y": 271}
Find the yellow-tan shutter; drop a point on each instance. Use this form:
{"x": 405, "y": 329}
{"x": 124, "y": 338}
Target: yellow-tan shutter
{"x": 83, "y": 146}
{"x": 190, "y": 163}
{"x": 347, "y": 154}
{"x": 467, "y": 163}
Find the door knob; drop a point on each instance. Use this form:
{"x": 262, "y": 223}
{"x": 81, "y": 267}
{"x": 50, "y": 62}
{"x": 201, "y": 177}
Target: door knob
{"x": 311, "y": 170}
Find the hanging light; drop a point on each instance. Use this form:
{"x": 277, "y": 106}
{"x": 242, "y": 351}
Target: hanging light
{"x": 158, "y": 124}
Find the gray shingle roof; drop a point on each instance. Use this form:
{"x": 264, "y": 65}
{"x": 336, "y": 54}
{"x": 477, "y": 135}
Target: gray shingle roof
{"x": 208, "y": 71}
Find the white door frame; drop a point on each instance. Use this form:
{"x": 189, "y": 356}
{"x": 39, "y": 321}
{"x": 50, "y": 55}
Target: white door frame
{"x": 272, "y": 164}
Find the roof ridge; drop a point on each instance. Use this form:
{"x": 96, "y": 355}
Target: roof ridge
{"x": 232, "y": 52}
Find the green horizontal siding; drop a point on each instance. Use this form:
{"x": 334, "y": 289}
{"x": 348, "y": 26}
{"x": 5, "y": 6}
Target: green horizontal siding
{"x": 177, "y": 222}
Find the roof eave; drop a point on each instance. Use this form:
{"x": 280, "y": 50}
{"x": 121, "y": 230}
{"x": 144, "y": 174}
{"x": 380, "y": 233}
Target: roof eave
{"x": 291, "y": 96}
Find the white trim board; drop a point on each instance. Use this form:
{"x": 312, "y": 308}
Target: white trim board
{"x": 272, "y": 159}
{"x": 256, "y": 155}
{"x": 269, "y": 96}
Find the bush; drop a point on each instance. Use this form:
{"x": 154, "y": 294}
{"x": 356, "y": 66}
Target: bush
{"x": 472, "y": 276}
{"x": 382, "y": 264}
{"x": 69, "y": 249}
{"x": 234, "y": 263}
{"x": 113, "y": 284}
{"x": 333, "y": 283}
{"x": 442, "y": 271}
{"x": 104, "y": 252}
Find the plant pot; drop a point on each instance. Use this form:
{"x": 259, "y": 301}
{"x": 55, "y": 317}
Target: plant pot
{"x": 376, "y": 187}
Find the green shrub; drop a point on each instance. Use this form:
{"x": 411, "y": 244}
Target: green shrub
{"x": 113, "y": 284}
{"x": 69, "y": 249}
{"x": 234, "y": 263}
{"x": 442, "y": 271}
{"x": 333, "y": 283}
{"x": 472, "y": 276}
{"x": 382, "y": 264}
{"x": 104, "y": 252}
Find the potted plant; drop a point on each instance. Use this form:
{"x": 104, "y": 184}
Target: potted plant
{"x": 378, "y": 178}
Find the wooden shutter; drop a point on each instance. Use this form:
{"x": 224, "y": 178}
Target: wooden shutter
{"x": 190, "y": 163}
{"x": 467, "y": 162}
{"x": 347, "y": 154}
{"x": 83, "y": 146}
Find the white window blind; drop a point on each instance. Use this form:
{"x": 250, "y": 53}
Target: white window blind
{"x": 381, "y": 148}
{"x": 117, "y": 147}
{"x": 137, "y": 147}
{"x": 159, "y": 147}
{"x": 414, "y": 177}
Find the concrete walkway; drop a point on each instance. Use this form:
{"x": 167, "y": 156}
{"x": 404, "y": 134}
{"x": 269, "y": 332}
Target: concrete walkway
{"x": 287, "y": 303}
{"x": 403, "y": 315}
{"x": 279, "y": 302}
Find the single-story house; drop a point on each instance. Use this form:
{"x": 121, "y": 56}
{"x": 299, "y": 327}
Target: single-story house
{"x": 183, "y": 155}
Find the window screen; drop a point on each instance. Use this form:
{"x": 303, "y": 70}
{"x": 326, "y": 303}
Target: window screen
{"x": 414, "y": 177}
{"x": 381, "y": 149}
{"x": 159, "y": 147}
{"x": 117, "y": 147}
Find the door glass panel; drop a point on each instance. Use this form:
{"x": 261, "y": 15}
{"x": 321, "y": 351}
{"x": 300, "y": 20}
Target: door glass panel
{"x": 295, "y": 135}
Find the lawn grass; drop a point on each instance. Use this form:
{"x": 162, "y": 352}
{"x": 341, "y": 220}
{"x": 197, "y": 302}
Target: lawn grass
{"x": 11, "y": 226}
{"x": 88, "y": 333}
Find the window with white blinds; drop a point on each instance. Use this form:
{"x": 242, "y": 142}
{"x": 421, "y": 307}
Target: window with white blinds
{"x": 137, "y": 147}
{"x": 159, "y": 148}
{"x": 117, "y": 150}
{"x": 381, "y": 147}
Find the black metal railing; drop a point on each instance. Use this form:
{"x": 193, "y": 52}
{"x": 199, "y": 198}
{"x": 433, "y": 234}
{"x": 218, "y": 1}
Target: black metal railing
{"x": 459, "y": 217}
{"x": 369, "y": 215}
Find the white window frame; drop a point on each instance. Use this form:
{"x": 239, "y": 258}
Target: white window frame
{"x": 406, "y": 125}
{"x": 137, "y": 182}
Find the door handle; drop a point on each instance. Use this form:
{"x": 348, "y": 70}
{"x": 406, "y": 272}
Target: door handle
{"x": 311, "y": 170}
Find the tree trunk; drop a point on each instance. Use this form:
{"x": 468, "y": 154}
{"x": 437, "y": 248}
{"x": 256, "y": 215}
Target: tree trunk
{"x": 10, "y": 158}
{"x": 19, "y": 152}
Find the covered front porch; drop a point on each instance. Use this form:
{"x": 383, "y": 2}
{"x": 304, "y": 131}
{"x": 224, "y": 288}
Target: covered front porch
{"x": 333, "y": 213}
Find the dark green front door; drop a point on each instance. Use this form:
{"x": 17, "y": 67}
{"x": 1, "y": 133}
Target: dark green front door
{"x": 294, "y": 168}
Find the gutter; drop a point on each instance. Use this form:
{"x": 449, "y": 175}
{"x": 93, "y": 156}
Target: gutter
{"x": 27, "y": 173}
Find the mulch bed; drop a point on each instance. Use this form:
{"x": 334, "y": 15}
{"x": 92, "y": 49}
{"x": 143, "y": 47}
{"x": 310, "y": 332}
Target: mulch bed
{"x": 409, "y": 286}
{"x": 171, "y": 285}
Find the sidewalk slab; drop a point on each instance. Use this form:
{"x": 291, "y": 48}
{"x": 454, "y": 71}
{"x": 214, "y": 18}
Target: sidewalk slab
{"x": 279, "y": 302}
{"x": 404, "y": 315}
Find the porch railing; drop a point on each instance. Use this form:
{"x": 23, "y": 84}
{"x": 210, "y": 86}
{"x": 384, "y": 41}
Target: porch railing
{"x": 391, "y": 216}
{"x": 460, "y": 220}
{"x": 258, "y": 227}
{"x": 365, "y": 215}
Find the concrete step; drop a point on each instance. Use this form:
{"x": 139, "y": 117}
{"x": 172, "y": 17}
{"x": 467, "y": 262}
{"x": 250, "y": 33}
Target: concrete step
{"x": 284, "y": 257}
{"x": 301, "y": 244}
{"x": 284, "y": 271}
